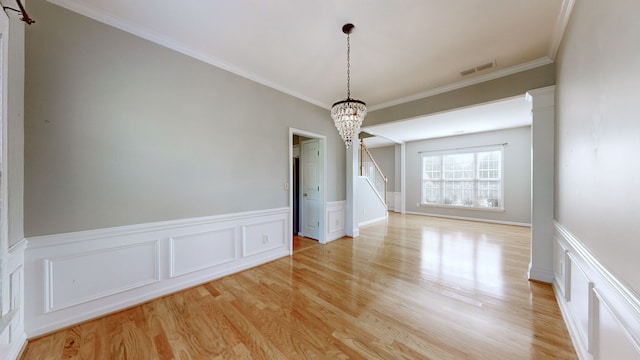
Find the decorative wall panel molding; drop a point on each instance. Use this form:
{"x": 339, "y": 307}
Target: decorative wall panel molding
{"x": 261, "y": 237}
{"x": 77, "y": 276}
{"x": 335, "y": 215}
{"x": 104, "y": 272}
{"x": 195, "y": 252}
{"x": 602, "y": 314}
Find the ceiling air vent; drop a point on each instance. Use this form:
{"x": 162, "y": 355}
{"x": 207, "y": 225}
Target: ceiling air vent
{"x": 475, "y": 69}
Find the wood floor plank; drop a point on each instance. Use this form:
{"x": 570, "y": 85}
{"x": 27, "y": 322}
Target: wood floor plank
{"x": 320, "y": 330}
{"x": 284, "y": 315}
{"x": 48, "y": 347}
{"x": 91, "y": 340}
{"x": 157, "y": 332}
{"x": 413, "y": 287}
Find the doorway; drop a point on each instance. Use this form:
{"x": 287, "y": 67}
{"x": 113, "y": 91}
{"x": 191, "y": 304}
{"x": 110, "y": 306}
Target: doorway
{"x": 307, "y": 177}
{"x": 296, "y": 193}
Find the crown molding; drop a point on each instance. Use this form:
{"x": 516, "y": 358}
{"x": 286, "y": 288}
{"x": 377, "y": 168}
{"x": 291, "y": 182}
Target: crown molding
{"x": 166, "y": 41}
{"x": 464, "y": 83}
{"x": 560, "y": 27}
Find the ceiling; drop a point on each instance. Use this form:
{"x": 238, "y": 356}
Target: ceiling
{"x": 503, "y": 114}
{"x": 400, "y": 50}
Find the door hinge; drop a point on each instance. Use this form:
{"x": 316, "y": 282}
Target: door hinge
{"x": 318, "y": 152}
{"x": 318, "y": 188}
{"x": 318, "y": 223}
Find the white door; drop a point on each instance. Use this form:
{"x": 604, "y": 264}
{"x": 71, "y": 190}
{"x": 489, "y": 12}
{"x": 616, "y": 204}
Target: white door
{"x": 310, "y": 203}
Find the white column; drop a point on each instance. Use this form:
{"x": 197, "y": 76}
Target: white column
{"x": 403, "y": 182}
{"x": 542, "y": 182}
{"x": 351, "y": 215}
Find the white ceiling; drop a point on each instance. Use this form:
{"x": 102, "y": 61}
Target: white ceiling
{"x": 504, "y": 114}
{"x": 400, "y": 50}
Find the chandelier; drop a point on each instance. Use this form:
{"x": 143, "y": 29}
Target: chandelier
{"x": 348, "y": 114}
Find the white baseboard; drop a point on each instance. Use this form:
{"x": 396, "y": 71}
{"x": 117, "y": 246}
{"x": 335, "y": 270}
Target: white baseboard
{"x": 601, "y": 312}
{"x": 572, "y": 326}
{"x": 382, "y": 218}
{"x": 77, "y": 276}
{"x": 12, "y": 343}
{"x": 540, "y": 275}
{"x": 470, "y": 219}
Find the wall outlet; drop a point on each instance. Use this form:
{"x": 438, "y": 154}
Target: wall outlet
{"x": 286, "y": 186}
{"x": 265, "y": 239}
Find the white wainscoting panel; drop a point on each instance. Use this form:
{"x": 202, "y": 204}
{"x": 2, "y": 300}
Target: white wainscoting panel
{"x": 12, "y": 335}
{"x": 393, "y": 201}
{"x": 397, "y": 202}
{"x": 195, "y": 252}
{"x": 108, "y": 271}
{"x": 390, "y": 198}
{"x": 560, "y": 267}
{"x": 262, "y": 237}
{"x": 335, "y": 214}
{"x": 602, "y": 313}
{"x": 614, "y": 341}
{"x": 77, "y": 276}
{"x": 579, "y": 301}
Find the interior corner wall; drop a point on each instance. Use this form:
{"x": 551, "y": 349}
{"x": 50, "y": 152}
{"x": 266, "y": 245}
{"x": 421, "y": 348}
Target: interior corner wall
{"x": 120, "y": 130}
{"x": 516, "y": 176}
{"x": 598, "y": 132}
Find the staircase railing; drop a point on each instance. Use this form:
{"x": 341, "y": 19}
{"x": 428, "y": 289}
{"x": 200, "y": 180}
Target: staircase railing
{"x": 370, "y": 169}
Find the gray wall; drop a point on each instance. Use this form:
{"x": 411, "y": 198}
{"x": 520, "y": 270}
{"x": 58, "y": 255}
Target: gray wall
{"x": 385, "y": 157}
{"x": 14, "y": 131}
{"x": 119, "y": 130}
{"x": 516, "y": 177}
{"x": 598, "y": 133}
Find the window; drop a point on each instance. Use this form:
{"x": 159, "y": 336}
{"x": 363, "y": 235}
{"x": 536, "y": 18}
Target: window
{"x": 463, "y": 179}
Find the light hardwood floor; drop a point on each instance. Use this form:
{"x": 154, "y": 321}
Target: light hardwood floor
{"x": 412, "y": 288}
{"x": 301, "y": 243}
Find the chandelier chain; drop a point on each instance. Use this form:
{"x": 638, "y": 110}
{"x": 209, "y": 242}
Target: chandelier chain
{"x": 348, "y": 67}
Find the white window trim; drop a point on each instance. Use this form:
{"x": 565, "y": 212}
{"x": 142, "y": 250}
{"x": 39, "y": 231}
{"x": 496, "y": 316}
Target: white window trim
{"x": 465, "y": 150}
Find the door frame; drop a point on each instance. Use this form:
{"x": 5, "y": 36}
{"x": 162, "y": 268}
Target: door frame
{"x": 323, "y": 183}
{"x": 306, "y": 158}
